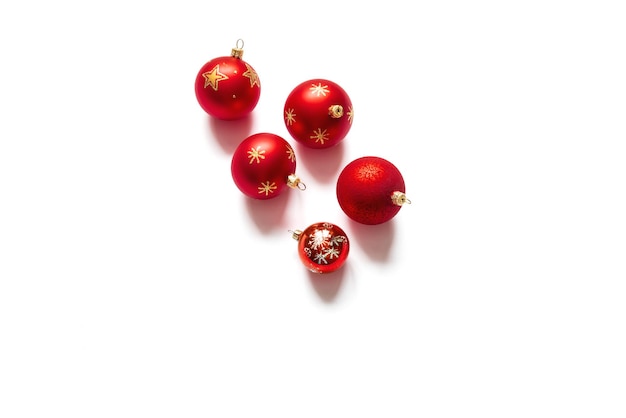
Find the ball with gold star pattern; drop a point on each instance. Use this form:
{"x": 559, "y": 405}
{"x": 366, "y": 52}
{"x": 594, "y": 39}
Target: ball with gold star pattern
{"x": 263, "y": 166}
{"x": 227, "y": 87}
{"x": 318, "y": 113}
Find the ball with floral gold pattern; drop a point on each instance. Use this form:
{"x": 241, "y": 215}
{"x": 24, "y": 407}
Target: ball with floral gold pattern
{"x": 323, "y": 247}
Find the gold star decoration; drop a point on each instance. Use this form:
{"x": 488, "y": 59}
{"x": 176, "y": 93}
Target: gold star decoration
{"x": 213, "y": 77}
{"x": 252, "y": 75}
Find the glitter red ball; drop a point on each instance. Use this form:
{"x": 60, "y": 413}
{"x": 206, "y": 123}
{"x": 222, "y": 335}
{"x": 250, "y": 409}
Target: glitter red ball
{"x": 228, "y": 88}
{"x": 323, "y": 247}
{"x": 371, "y": 190}
{"x": 318, "y": 113}
{"x": 263, "y": 166}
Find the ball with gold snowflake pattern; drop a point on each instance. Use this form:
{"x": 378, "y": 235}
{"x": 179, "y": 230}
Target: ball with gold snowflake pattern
{"x": 318, "y": 113}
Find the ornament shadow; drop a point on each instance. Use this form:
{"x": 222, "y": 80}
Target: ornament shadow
{"x": 375, "y": 240}
{"x": 323, "y": 164}
{"x": 229, "y": 133}
{"x": 327, "y": 285}
{"x": 268, "y": 214}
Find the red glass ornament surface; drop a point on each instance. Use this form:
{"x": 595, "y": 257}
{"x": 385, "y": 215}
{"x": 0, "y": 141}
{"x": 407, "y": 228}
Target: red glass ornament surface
{"x": 322, "y": 247}
{"x": 227, "y": 87}
{"x": 318, "y": 113}
{"x": 370, "y": 190}
{"x": 263, "y": 166}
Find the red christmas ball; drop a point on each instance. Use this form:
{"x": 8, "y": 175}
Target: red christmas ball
{"x": 318, "y": 113}
{"x": 263, "y": 166}
{"x": 227, "y": 87}
{"x": 322, "y": 247}
{"x": 371, "y": 190}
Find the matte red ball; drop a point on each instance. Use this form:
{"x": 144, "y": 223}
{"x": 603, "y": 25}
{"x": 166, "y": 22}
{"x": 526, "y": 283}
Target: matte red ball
{"x": 370, "y": 190}
{"x": 318, "y": 113}
{"x": 323, "y": 247}
{"x": 228, "y": 87}
{"x": 263, "y": 166}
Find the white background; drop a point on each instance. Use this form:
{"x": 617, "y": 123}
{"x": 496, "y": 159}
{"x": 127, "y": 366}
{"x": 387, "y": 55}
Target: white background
{"x": 137, "y": 281}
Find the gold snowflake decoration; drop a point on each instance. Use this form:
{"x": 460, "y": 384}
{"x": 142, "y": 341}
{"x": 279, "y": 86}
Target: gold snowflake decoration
{"x": 290, "y": 116}
{"x": 256, "y": 154}
{"x": 350, "y": 114}
{"x": 319, "y": 89}
{"x": 252, "y": 75}
{"x": 213, "y": 77}
{"x": 267, "y": 188}
{"x": 290, "y": 154}
{"x": 320, "y": 136}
